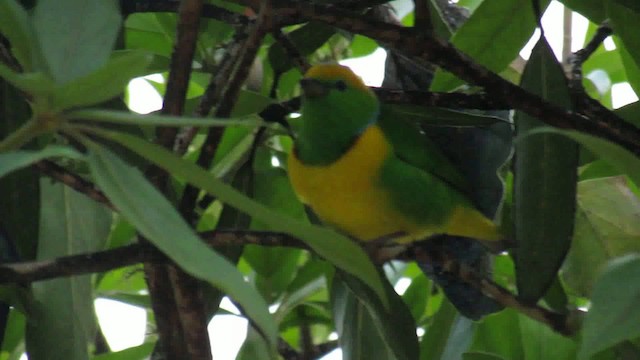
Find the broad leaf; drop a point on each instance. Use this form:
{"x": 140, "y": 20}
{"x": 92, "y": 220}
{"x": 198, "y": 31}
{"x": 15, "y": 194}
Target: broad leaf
{"x": 76, "y": 36}
{"x": 607, "y": 226}
{"x": 614, "y": 315}
{"x": 545, "y": 183}
{"x": 103, "y": 84}
{"x": 493, "y": 36}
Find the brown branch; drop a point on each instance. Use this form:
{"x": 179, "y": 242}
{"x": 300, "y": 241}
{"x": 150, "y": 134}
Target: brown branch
{"x": 74, "y": 181}
{"x": 187, "y": 307}
{"x": 102, "y": 261}
{"x": 422, "y": 17}
{"x": 229, "y": 94}
{"x": 209, "y": 11}
{"x": 26, "y": 272}
{"x": 424, "y": 47}
{"x": 565, "y": 324}
{"x": 581, "y": 100}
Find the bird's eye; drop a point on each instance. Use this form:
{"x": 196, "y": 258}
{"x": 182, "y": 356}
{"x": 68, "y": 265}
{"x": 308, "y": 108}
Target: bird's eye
{"x": 341, "y": 85}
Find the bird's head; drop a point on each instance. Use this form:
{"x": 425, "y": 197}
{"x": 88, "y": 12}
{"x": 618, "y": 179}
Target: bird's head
{"x": 336, "y": 107}
{"x": 332, "y": 89}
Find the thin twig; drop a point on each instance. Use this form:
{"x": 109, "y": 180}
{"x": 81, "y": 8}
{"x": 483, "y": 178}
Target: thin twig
{"x": 228, "y": 97}
{"x": 563, "y": 324}
{"x": 74, "y": 181}
{"x": 290, "y": 48}
{"x": 575, "y": 62}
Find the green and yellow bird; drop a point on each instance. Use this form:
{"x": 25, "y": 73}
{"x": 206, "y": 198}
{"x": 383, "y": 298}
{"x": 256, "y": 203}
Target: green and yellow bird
{"x": 372, "y": 176}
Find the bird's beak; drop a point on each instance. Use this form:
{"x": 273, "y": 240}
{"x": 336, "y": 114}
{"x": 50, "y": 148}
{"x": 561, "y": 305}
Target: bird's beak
{"x": 313, "y": 88}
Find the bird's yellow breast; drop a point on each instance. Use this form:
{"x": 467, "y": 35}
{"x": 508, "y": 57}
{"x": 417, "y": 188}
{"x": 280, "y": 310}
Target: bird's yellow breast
{"x": 347, "y": 194}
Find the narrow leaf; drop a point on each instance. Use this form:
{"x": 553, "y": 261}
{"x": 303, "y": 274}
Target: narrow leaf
{"x": 35, "y": 83}
{"x": 132, "y": 194}
{"x": 367, "y": 330}
{"x": 336, "y": 248}
{"x": 544, "y": 185}
{"x": 128, "y": 118}
{"x": 15, "y": 160}
{"x": 617, "y": 156}
{"x": 62, "y": 322}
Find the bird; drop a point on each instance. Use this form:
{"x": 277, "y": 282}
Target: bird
{"x": 374, "y": 177}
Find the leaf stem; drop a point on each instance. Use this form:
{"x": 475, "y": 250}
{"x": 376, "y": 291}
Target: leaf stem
{"x": 23, "y": 135}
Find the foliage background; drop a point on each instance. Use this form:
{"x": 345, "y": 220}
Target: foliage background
{"x": 64, "y": 68}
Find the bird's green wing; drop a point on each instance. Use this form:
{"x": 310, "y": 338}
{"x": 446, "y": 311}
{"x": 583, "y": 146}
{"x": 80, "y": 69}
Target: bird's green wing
{"x": 414, "y": 148}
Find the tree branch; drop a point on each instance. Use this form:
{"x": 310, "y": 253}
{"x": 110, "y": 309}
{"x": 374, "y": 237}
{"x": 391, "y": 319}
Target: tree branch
{"x": 26, "y": 272}
{"x": 425, "y": 47}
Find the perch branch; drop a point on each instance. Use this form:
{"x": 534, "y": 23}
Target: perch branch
{"x": 25, "y": 272}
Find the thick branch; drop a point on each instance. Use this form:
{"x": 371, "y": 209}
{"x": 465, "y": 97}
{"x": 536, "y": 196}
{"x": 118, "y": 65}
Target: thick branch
{"x": 425, "y": 47}
{"x": 101, "y": 261}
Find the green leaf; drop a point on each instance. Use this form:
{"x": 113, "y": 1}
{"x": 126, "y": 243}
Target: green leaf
{"x": 481, "y": 356}
{"x": 362, "y": 46}
{"x": 144, "y": 31}
{"x": 367, "y": 330}
{"x": 608, "y": 61}
{"x": 617, "y": 156}
{"x": 253, "y": 348}
{"x": 140, "y": 352}
{"x": 35, "y": 83}
{"x": 15, "y": 160}
{"x": 594, "y": 10}
{"x": 630, "y": 113}
{"x": 540, "y": 342}
{"x": 306, "y": 39}
{"x": 614, "y": 315}
{"x": 15, "y": 25}
{"x": 128, "y": 118}
{"x": 416, "y": 296}
{"x": 338, "y": 249}
{"x": 102, "y": 84}
{"x": 438, "y": 116}
{"x": 607, "y": 226}
{"x": 500, "y": 334}
{"x": 493, "y": 37}
{"x": 132, "y": 194}
{"x": 76, "y": 36}
{"x": 19, "y": 191}
{"x": 435, "y": 340}
{"x": 62, "y": 322}
{"x": 14, "y": 332}
{"x": 545, "y": 183}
